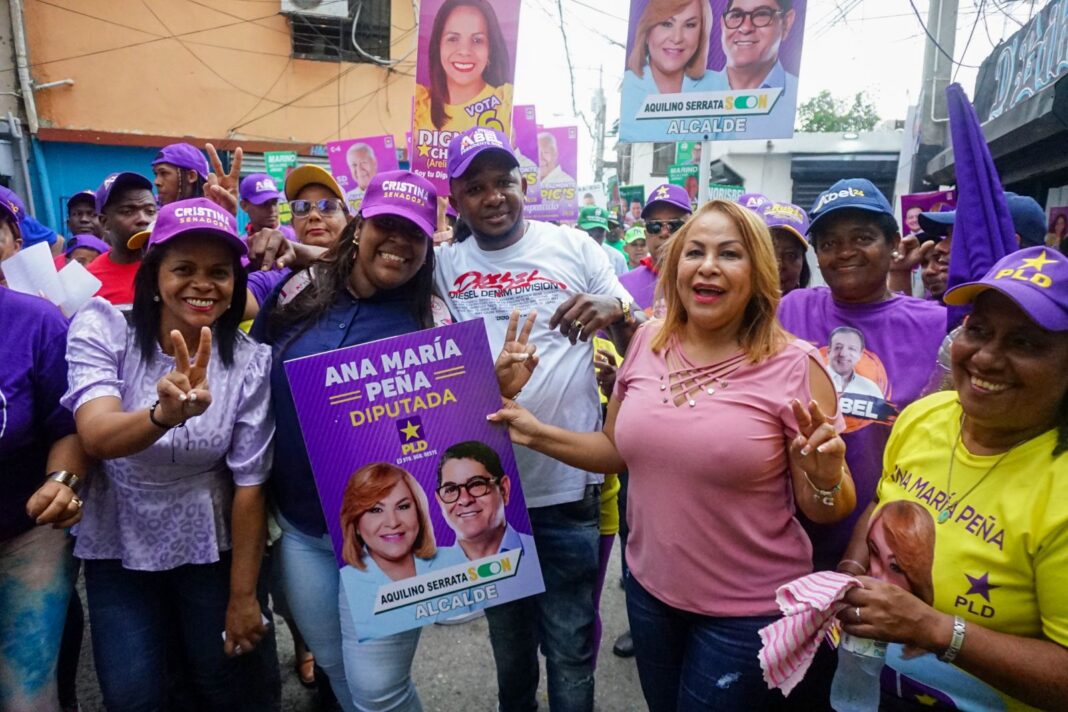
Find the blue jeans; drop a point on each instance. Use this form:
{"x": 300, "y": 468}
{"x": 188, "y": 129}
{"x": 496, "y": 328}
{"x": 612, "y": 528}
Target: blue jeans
{"x": 689, "y": 662}
{"x": 36, "y": 578}
{"x": 375, "y": 675}
{"x": 130, "y": 616}
{"x": 561, "y": 619}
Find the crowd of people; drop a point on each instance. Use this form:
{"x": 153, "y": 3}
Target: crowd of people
{"x": 676, "y": 379}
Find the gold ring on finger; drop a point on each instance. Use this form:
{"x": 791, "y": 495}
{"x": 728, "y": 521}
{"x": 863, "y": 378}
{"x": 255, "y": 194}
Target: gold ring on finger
{"x": 76, "y": 501}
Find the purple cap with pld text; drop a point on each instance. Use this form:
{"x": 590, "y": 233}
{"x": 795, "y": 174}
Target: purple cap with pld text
{"x": 119, "y": 180}
{"x": 1035, "y": 278}
{"x": 258, "y": 188}
{"x": 405, "y": 195}
{"x": 198, "y": 215}
{"x": 470, "y": 144}
{"x": 11, "y": 204}
{"x": 668, "y": 194}
{"x": 185, "y": 156}
{"x": 753, "y": 201}
{"x": 786, "y": 216}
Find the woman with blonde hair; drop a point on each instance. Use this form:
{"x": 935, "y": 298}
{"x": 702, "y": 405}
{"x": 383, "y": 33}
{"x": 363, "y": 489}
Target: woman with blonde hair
{"x": 707, "y": 417}
{"x": 669, "y": 53}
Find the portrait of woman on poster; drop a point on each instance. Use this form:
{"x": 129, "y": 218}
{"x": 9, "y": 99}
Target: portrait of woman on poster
{"x": 669, "y": 54}
{"x": 469, "y": 63}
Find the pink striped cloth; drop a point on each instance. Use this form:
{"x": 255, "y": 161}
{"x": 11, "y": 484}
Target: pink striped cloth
{"x": 809, "y": 605}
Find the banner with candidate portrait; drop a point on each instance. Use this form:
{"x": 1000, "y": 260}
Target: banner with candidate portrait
{"x": 557, "y": 168}
{"x": 525, "y": 145}
{"x": 711, "y": 70}
{"x": 937, "y": 201}
{"x": 464, "y": 72}
{"x": 420, "y": 492}
{"x": 355, "y": 161}
{"x": 278, "y": 165}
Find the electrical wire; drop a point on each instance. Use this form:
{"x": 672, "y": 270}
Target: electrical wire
{"x": 968, "y": 42}
{"x": 934, "y": 41}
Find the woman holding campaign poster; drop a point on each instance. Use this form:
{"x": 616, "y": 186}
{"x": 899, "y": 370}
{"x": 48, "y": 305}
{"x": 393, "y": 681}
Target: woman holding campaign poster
{"x": 973, "y": 576}
{"x": 469, "y": 65}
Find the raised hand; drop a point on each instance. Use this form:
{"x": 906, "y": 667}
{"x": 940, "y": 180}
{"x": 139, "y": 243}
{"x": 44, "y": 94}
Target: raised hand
{"x": 183, "y": 393}
{"x": 605, "y": 366}
{"x": 221, "y": 186}
{"x": 818, "y": 449}
{"x": 910, "y": 253}
{"x": 517, "y": 359}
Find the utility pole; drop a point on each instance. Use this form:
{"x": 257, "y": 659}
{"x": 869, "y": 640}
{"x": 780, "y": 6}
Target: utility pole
{"x": 932, "y": 115}
{"x": 598, "y": 106}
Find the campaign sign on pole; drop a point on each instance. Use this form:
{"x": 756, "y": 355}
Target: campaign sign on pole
{"x": 278, "y": 164}
{"x": 686, "y": 175}
{"x": 463, "y": 77}
{"x": 633, "y": 199}
{"x": 525, "y": 144}
{"x": 725, "y": 191}
{"x": 557, "y": 167}
{"x": 592, "y": 194}
{"x": 704, "y": 73}
{"x": 420, "y": 492}
{"x": 355, "y": 161}
{"x": 915, "y": 203}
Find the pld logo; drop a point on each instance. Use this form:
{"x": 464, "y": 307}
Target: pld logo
{"x": 412, "y": 436}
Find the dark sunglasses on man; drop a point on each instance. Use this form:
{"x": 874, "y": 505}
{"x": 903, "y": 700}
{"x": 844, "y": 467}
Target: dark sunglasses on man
{"x": 654, "y": 227}
{"x": 325, "y": 206}
{"x": 761, "y": 17}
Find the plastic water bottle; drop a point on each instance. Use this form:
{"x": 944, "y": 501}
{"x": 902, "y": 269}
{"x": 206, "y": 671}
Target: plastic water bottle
{"x": 856, "y": 683}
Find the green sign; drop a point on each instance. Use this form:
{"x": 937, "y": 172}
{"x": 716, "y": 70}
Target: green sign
{"x": 725, "y": 191}
{"x": 686, "y": 175}
{"x": 277, "y": 165}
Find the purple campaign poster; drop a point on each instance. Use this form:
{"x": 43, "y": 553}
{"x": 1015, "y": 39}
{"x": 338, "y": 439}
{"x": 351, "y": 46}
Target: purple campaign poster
{"x": 557, "y": 167}
{"x": 915, "y": 203}
{"x": 463, "y": 77}
{"x": 355, "y": 161}
{"x": 699, "y": 73}
{"x": 1058, "y": 227}
{"x": 420, "y": 492}
{"x": 525, "y": 144}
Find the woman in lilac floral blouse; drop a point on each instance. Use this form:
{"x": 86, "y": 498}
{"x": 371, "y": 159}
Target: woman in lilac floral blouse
{"x": 174, "y": 527}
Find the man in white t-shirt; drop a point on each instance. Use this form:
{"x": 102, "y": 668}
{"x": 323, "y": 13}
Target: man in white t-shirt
{"x": 511, "y": 263}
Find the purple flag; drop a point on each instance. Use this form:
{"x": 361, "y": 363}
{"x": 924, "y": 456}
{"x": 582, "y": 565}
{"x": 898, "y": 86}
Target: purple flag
{"x": 983, "y": 231}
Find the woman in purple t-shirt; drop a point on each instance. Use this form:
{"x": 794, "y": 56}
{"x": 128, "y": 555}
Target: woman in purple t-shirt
{"x": 707, "y": 416}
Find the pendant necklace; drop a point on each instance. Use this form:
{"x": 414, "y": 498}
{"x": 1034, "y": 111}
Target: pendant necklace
{"x": 951, "y": 506}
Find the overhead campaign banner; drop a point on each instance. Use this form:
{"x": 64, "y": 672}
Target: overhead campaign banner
{"x": 355, "y": 161}
{"x": 464, "y": 74}
{"x": 278, "y": 164}
{"x": 557, "y": 167}
{"x": 380, "y": 421}
{"x": 699, "y": 74}
{"x": 525, "y": 144}
{"x": 915, "y": 203}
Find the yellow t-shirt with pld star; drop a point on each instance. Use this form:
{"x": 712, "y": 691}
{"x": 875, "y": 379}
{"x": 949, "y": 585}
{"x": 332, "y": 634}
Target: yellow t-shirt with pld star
{"x": 1000, "y": 557}
{"x": 492, "y": 107}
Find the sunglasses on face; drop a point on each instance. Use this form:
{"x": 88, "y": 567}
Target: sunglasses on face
{"x": 325, "y": 206}
{"x": 654, "y": 227}
{"x": 761, "y": 17}
{"x": 476, "y": 487}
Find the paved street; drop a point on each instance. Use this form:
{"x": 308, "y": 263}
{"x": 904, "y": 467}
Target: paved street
{"x": 454, "y": 666}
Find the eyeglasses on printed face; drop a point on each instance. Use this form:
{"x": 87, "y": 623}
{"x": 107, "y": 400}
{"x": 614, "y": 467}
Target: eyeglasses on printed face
{"x": 761, "y": 17}
{"x": 325, "y": 206}
{"x": 654, "y": 227}
{"x": 476, "y": 487}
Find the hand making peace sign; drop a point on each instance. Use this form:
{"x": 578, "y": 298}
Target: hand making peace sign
{"x": 517, "y": 359}
{"x": 222, "y": 187}
{"x": 183, "y": 393}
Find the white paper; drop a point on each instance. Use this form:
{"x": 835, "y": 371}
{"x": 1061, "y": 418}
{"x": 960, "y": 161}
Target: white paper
{"x": 32, "y": 271}
{"x": 79, "y": 286}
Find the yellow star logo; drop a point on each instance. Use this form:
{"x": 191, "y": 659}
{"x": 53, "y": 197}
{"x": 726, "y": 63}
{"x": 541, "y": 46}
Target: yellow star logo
{"x": 1037, "y": 263}
{"x": 411, "y": 431}
{"x": 926, "y": 700}
{"x": 424, "y": 150}
{"x": 661, "y": 192}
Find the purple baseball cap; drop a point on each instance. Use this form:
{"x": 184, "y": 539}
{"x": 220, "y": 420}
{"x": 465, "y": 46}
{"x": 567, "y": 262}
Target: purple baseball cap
{"x": 1036, "y": 278}
{"x": 668, "y": 194}
{"x": 470, "y": 144}
{"x": 11, "y": 204}
{"x": 87, "y": 241}
{"x": 786, "y": 216}
{"x": 185, "y": 156}
{"x": 258, "y": 188}
{"x": 405, "y": 195}
{"x": 119, "y": 180}
{"x": 753, "y": 201}
{"x": 82, "y": 196}
{"x": 197, "y": 215}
